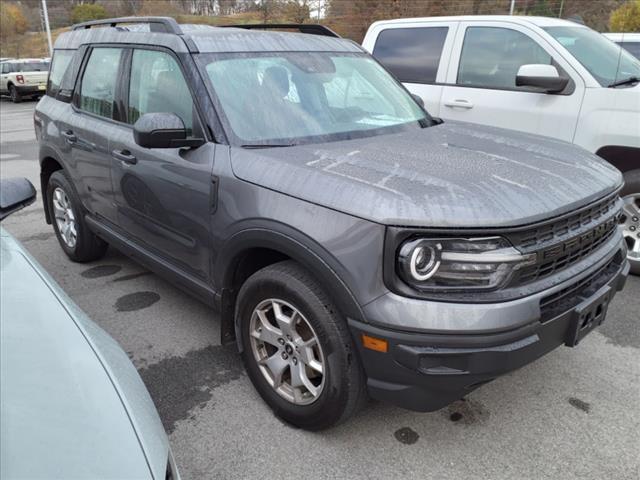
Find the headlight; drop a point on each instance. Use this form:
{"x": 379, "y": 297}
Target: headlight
{"x": 444, "y": 264}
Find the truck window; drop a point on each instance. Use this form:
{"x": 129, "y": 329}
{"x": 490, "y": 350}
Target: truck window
{"x": 98, "y": 88}
{"x": 632, "y": 47}
{"x": 411, "y": 54}
{"x": 157, "y": 85}
{"x": 60, "y": 62}
{"x": 491, "y": 57}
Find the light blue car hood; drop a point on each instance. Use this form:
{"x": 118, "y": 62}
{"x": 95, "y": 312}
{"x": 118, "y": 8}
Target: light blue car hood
{"x": 72, "y": 404}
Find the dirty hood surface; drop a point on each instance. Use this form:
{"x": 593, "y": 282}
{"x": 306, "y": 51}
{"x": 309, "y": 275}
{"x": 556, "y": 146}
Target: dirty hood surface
{"x": 450, "y": 175}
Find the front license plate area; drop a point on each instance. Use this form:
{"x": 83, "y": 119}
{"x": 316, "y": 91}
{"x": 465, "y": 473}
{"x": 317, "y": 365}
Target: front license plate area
{"x": 587, "y": 316}
{"x": 42, "y": 87}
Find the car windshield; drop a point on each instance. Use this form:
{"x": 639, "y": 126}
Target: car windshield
{"x": 286, "y": 98}
{"x": 34, "y": 67}
{"x": 606, "y": 61}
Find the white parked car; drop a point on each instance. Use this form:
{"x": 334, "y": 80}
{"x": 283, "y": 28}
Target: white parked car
{"x": 629, "y": 41}
{"x": 24, "y": 77}
{"x": 539, "y": 75}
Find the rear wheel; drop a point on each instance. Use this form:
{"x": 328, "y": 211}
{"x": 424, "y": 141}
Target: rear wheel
{"x": 14, "y": 94}
{"x": 78, "y": 242}
{"x": 297, "y": 349}
{"x": 630, "y": 219}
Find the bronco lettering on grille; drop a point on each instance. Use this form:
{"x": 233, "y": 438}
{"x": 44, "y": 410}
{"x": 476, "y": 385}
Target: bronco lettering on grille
{"x": 580, "y": 241}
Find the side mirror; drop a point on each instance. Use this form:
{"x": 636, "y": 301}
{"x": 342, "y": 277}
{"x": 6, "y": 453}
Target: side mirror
{"x": 418, "y": 99}
{"x": 545, "y": 77}
{"x": 15, "y": 194}
{"x": 163, "y": 130}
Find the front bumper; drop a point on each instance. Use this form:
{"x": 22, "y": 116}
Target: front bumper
{"x": 427, "y": 371}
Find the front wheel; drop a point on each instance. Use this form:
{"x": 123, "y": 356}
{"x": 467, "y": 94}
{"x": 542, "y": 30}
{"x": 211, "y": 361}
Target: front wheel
{"x": 297, "y": 348}
{"x": 630, "y": 219}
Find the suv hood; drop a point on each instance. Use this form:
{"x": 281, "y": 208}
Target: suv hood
{"x": 450, "y": 175}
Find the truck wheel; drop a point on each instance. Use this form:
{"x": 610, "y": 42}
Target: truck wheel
{"x": 14, "y": 94}
{"x": 78, "y": 242}
{"x": 630, "y": 220}
{"x": 297, "y": 348}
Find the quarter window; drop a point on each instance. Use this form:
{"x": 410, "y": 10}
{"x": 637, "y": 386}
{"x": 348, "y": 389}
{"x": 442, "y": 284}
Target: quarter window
{"x": 97, "y": 92}
{"x": 491, "y": 57}
{"x": 157, "y": 85}
{"x": 61, "y": 60}
{"x": 411, "y": 54}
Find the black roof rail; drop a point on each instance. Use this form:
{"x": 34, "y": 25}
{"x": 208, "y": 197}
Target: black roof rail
{"x": 310, "y": 28}
{"x": 156, "y": 24}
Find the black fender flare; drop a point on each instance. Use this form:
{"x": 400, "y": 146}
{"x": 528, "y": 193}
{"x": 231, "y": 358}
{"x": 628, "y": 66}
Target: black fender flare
{"x": 295, "y": 245}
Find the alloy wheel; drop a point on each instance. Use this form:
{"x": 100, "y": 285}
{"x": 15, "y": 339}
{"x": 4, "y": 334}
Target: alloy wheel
{"x": 288, "y": 351}
{"x": 65, "y": 219}
{"x": 630, "y": 225}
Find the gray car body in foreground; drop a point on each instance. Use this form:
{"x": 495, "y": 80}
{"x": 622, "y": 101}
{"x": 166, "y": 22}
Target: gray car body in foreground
{"x": 209, "y": 217}
{"x": 73, "y": 405}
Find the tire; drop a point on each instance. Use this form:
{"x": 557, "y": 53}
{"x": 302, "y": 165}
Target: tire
{"x": 630, "y": 227}
{"x": 340, "y": 387}
{"x": 14, "y": 94}
{"x": 86, "y": 246}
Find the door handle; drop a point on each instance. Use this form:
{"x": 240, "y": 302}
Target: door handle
{"x": 458, "y": 103}
{"x": 125, "y": 156}
{"x": 69, "y": 136}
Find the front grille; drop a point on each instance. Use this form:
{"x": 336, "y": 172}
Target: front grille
{"x": 563, "y": 300}
{"x": 543, "y": 235}
{"x": 562, "y": 242}
{"x": 565, "y": 254}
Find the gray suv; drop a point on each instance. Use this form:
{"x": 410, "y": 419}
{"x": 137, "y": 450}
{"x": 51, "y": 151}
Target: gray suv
{"x": 353, "y": 244}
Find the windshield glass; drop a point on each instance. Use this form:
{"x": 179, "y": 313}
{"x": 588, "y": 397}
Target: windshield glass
{"x": 284, "y": 98}
{"x": 34, "y": 67}
{"x": 606, "y": 61}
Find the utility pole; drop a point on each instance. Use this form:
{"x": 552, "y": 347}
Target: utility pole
{"x": 513, "y": 4}
{"x": 561, "y": 5}
{"x": 46, "y": 25}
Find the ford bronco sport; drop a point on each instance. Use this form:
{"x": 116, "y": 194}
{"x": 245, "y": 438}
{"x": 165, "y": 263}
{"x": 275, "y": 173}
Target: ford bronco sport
{"x": 26, "y": 77}
{"x": 353, "y": 243}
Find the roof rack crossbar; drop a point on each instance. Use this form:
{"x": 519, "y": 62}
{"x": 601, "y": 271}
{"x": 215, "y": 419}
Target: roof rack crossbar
{"x": 310, "y": 28}
{"x": 156, "y": 24}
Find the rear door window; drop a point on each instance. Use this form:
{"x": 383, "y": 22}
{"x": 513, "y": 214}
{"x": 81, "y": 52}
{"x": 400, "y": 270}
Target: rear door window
{"x": 98, "y": 88}
{"x": 491, "y": 57}
{"x": 411, "y": 54}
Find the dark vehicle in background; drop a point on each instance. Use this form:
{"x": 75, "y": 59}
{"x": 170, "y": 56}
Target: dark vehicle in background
{"x": 629, "y": 41}
{"x": 352, "y": 243}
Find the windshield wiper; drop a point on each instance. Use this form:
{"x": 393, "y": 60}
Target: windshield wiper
{"x": 626, "y": 81}
{"x": 268, "y": 145}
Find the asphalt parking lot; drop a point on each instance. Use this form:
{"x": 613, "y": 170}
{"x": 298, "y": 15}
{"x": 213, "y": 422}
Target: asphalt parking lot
{"x": 573, "y": 414}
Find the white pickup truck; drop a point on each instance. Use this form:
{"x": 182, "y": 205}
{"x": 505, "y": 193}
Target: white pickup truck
{"x": 25, "y": 77}
{"x": 539, "y": 75}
